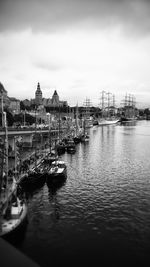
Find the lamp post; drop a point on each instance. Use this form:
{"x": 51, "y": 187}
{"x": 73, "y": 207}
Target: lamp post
{"x": 24, "y": 118}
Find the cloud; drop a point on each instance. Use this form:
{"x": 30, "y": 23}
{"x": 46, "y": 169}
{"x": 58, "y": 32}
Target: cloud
{"x": 49, "y": 66}
{"x": 48, "y": 15}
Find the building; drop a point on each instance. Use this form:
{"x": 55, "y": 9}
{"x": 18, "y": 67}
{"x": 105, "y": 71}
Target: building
{"x": 14, "y": 105}
{"x": 4, "y": 96}
{"x": 38, "y": 95}
{"x": 48, "y": 102}
{"x": 45, "y": 102}
{"x": 55, "y": 99}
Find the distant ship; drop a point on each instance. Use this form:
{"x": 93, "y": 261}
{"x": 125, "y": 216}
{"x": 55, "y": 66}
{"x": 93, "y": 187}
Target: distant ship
{"x": 107, "y": 110}
{"x": 128, "y": 110}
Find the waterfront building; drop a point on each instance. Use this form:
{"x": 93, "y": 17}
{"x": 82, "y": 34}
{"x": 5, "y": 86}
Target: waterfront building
{"x": 54, "y": 101}
{"x": 14, "y": 105}
{"x": 47, "y": 102}
{"x": 3, "y": 94}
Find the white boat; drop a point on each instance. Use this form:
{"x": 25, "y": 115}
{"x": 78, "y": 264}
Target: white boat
{"x": 107, "y": 122}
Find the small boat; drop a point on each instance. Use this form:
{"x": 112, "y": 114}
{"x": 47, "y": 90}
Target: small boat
{"x": 60, "y": 148}
{"x": 85, "y": 137}
{"x": 77, "y": 139}
{"x": 71, "y": 148}
{"x": 57, "y": 171}
{"x": 95, "y": 122}
{"x": 50, "y": 157}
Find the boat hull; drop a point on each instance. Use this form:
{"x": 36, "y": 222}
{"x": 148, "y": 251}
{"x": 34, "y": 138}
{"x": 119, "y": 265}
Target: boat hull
{"x": 107, "y": 122}
{"x": 57, "y": 176}
{"x": 10, "y": 226}
{"x": 33, "y": 181}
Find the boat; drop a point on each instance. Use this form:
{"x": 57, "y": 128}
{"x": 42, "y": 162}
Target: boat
{"x": 57, "y": 171}
{"x": 60, "y": 147}
{"x": 129, "y": 110}
{"x": 95, "y": 122}
{"x": 107, "y": 110}
{"x": 124, "y": 119}
{"x": 50, "y": 157}
{"x": 85, "y": 137}
{"x": 78, "y": 130}
{"x": 34, "y": 177}
{"x": 13, "y": 207}
{"x": 89, "y": 122}
{"x": 13, "y": 216}
{"x": 77, "y": 139}
{"x": 108, "y": 121}
{"x": 71, "y": 148}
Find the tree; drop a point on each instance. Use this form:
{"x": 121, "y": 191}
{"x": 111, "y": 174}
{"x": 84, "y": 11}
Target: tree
{"x": 9, "y": 116}
{"x": 28, "y": 119}
{"x": 147, "y": 111}
{"x": 22, "y": 106}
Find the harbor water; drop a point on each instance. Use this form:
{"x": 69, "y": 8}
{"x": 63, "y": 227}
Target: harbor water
{"x": 101, "y": 214}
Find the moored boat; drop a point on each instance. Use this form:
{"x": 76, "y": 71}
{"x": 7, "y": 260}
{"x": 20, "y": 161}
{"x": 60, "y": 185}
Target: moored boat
{"x": 127, "y": 119}
{"x": 107, "y": 121}
{"x": 34, "y": 178}
{"x": 71, "y": 148}
{"x": 57, "y": 171}
{"x": 51, "y": 156}
{"x": 13, "y": 216}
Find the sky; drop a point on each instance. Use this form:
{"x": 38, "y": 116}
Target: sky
{"x": 77, "y": 47}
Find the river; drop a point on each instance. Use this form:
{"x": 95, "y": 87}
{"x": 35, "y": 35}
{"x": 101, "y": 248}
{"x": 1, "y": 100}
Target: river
{"x": 101, "y": 214}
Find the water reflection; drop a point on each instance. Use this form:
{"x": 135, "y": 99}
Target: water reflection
{"x": 54, "y": 186}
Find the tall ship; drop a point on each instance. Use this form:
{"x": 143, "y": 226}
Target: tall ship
{"x": 13, "y": 208}
{"x": 128, "y": 109}
{"x": 107, "y": 106}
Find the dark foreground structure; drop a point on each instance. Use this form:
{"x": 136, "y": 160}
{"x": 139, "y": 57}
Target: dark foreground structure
{"x": 10, "y": 256}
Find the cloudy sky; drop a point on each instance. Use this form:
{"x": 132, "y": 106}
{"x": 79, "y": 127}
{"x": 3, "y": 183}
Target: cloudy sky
{"x": 78, "y": 47}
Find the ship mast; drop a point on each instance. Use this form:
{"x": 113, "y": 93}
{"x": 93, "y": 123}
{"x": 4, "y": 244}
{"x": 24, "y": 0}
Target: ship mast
{"x": 4, "y": 157}
{"x": 77, "y": 126}
{"x": 102, "y": 103}
{"x": 108, "y": 103}
{"x": 4, "y": 152}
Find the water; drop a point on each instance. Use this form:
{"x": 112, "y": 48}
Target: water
{"x": 101, "y": 214}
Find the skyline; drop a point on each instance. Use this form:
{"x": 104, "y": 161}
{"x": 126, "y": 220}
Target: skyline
{"x": 78, "y": 48}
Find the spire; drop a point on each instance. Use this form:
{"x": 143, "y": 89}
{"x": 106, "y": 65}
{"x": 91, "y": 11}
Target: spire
{"x": 55, "y": 93}
{"x": 55, "y": 99}
{"x": 38, "y": 88}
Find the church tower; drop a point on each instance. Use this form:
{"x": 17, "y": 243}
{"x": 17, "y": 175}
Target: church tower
{"x": 55, "y": 99}
{"x": 38, "y": 95}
